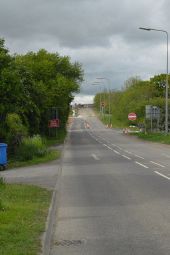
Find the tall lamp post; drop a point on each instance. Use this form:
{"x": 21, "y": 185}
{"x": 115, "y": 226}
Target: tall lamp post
{"x": 103, "y": 78}
{"x": 98, "y": 84}
{"x": 166, "y": 91}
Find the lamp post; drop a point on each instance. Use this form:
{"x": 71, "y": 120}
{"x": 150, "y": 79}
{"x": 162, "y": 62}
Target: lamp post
{"x": 103, "y": 78}
{"x": 98, "y": 84}
{"x": 166, "y": 90}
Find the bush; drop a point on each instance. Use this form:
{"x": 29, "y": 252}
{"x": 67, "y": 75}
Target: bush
{"x": 31, "y": 147}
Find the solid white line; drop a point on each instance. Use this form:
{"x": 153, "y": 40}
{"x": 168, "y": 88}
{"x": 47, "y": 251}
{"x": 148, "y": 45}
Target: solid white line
{"x": 156, "y": 164}
{"x": 116, "y": 152}
{"x": 162, "y": 175}
{"x": 138, "y": 156}
{"x": 95, "y": 156}
{"x": 141, "y": 164}
{"x": 126, "y": 157}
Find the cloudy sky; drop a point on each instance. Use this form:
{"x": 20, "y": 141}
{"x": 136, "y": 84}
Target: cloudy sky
{"x": 102, "y": 35}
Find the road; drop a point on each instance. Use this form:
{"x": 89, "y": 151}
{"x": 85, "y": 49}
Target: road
{"x": 114, "y": 194}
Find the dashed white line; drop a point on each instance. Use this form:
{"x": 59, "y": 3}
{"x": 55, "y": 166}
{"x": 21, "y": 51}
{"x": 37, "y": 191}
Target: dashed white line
{"x": 138, "y": 156}
{"x": 141, "y": 164}
{"x": 95, "y": 156}
{"x": 126, "y": 157}
{"x": 129, "y": 152}
{"x": 116, "y": 152}
{"x": 162, "y": 175}
{"x": 157, "y": 164}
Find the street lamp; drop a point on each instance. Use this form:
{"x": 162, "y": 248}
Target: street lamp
{"x": 166, "y": 91}
{"x": 98, "y": 84}
{"x": 103, "y": 78}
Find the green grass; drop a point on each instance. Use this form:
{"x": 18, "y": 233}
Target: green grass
{"x": 49, "y": 156}
{"x": 59, "y": 139}
{"x": 155, "y": 137}
{"x": 22, "y": 219}
{"x": 115, "y": 122}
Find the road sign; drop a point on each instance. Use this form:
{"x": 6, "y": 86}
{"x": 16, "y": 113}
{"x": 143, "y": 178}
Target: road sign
{"x": 132, "y": 116}
{"x": 53, "y": 123}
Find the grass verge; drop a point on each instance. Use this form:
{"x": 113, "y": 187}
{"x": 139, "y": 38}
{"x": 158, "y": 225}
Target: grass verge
{"x": 154, "y": 137}
{"x": 22, "y": 219}
{"x": 51, "y": 155}
{"x": 50, "y": 141}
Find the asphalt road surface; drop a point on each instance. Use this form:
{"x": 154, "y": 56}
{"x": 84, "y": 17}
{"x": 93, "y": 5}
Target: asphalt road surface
{"x": 114, "y": 195}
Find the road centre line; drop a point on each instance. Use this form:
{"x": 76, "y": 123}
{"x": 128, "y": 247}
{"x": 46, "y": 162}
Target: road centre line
{"x": 138, "y": 156}
{"x": 141, "y": 164}
{"x": 95, "y": 156}
{"x": 129, "y": 152}
{"x": 116, "y": 152}
{"x": 156, "y": 164}
{"x": 162, "y": 175}
{"x": 126, "y": 157}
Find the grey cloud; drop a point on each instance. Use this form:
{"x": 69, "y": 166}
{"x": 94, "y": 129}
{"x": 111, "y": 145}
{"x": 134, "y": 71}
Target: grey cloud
{"x": 101, "y": 34}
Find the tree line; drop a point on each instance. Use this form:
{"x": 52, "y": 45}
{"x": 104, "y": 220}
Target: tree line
{"x": 133, "y": 97}
{"x": 30, "y": 85}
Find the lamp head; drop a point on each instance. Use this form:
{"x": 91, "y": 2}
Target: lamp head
{"x": 145, "y": 28}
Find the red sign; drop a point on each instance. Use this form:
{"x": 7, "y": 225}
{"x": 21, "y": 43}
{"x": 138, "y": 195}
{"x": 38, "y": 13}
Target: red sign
{"x": 54, "y": 123}
{"x": 132, "y": 116}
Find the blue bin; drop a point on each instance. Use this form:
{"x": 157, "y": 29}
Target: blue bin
{"x": 3, "y": 154}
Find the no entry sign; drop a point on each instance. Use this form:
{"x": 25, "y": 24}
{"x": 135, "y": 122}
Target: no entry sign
{"x": 132, "y": 116}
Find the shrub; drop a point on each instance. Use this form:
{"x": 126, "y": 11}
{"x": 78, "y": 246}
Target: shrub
{"x": 31, "y": 147}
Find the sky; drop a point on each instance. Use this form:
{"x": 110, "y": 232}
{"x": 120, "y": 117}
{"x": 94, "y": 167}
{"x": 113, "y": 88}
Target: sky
{"x": 103, "y": 35}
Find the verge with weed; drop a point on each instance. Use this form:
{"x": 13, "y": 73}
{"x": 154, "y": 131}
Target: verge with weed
{"x": 22, "y": 219}
{"x": 155, "y": 137}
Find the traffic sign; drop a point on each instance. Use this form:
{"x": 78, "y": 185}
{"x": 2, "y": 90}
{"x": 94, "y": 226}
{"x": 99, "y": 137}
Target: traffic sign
{"x": 132, "y": 116}
{"x": 53, "y": 123}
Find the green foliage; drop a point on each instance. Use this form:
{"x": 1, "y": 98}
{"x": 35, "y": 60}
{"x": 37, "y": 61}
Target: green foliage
{"x": 30, "y": 85}
{"x": 31, "y": 147}
{"x": 15, "y": 131}
{"x": 133, "y": 98}
{"x": 49, "y": 156}
{"x": 155, "y": 137}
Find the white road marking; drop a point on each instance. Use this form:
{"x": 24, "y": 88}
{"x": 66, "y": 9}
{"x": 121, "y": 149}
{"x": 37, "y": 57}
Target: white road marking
{"x": 129, "y": 152}
{"x": 95, "y": 156}
{"x": 107, "y": 146}
{"x": 162, "y": 175}
{"x": 116, "y": 152}
{"x": 156, "y": 164}
{"x": 138, "y": 156}
{"x": 119, "y": 147}
{"x": 141, "y": 164}
{"x": 126, "y": 157}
